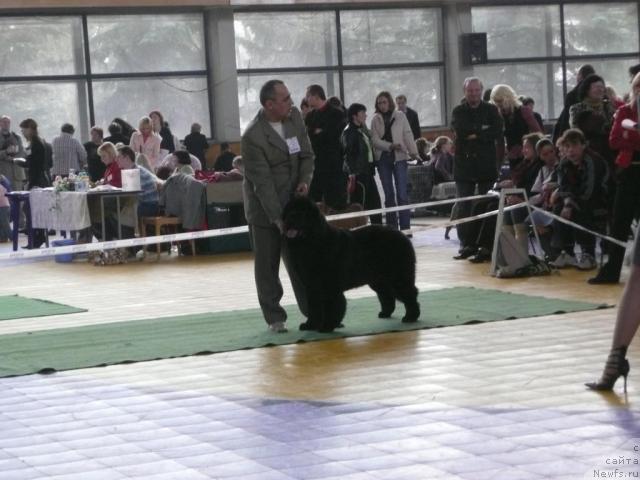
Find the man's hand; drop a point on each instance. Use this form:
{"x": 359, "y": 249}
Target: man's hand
{"x": 473, "y": 136}
{"x": 566, "y": 212}
{"x": 302, "y": 189}
{"x": 280, "y": 226}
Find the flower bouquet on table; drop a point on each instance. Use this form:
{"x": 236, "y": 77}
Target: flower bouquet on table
{"x": 72, "y": 183}
{"x": 64, "y": 184}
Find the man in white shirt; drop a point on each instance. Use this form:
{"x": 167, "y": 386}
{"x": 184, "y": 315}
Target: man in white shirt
{"x": 68, "y": 153}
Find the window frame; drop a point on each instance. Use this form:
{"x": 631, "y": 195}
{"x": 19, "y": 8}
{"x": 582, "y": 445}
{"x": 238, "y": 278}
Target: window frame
{"x": 563, "y": 58}
{"x": 340, "y": 68}
{"x": 88, "y": 77}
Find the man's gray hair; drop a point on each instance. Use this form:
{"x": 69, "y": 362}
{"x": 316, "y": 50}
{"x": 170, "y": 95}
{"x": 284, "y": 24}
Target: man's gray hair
{"x": 468, "y": 80}
{"x": 268, "y": 91}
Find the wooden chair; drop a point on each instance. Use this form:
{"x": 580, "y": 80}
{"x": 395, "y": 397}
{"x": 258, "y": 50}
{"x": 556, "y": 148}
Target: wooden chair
{"x": 158, "y": 223}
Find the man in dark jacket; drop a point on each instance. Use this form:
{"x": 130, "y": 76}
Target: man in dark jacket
{"x": 324, "y": 126}
{"x": 477, "y": 125}
{"x": 571, "y": 99}
{"x": 196, "y": 143}
{"x": 412, "y": 116}
{"x": 357, "y": 152}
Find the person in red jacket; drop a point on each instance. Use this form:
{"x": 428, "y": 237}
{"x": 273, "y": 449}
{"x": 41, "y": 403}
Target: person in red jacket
{"x": 625, "y": 138}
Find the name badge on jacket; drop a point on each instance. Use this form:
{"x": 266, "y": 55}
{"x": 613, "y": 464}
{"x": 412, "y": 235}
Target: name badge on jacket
{"x": 293, "y": 145}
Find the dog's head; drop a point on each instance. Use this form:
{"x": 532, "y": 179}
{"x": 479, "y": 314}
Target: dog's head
{"x": 301, "y": 218}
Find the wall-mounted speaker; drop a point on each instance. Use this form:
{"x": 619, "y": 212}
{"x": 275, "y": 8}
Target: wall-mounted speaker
{"x": 473, "y": 48}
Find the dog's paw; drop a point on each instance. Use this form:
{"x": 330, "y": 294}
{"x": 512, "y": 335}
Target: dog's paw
{"x": 384, "y": 314}
{"x": 326, "y": 329}
{"x": 306, "y": 326}
{"x": 407, "y": 319}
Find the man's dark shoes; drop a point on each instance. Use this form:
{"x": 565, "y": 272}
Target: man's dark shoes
{"x": 604, "y": 277}
{"x": 482, "y": 256}
{"x": 465, "y": 253}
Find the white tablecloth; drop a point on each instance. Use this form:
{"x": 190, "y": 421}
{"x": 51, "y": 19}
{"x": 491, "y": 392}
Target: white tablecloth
{"x": 59, "y": 210}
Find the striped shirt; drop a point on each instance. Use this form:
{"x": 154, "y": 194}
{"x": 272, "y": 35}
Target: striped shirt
{"x": 148, "y": 186}
{"x": 68, "y": 153}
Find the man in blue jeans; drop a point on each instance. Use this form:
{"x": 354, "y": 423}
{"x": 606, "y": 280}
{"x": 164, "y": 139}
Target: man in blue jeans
{"x": 477, "y": 125}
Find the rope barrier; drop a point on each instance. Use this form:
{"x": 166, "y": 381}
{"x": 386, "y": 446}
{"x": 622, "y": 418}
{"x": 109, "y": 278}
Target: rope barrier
{"x": 177, "y": 237}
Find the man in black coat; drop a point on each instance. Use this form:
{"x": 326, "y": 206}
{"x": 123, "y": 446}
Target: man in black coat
{"x": 412, "y": 116}
{"x": 478, "y": 126}
{"x": 571, "y": 99}
{"x": 325, "y": 124}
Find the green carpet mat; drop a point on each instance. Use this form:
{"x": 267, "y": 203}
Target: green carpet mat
{"x": 15, "y": 306}
{"x": 123, "y": 342}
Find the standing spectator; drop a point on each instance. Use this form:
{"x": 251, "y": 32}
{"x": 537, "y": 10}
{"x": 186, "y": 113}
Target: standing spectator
{"x": 593, "y": 115}
{"x": 412, "y": 116}
{"x": 224, "y": 161}
{"x": 337, "y": 103}
{"x": 36, "y": 166}
{"x": 571, "y": 99}
{"x": 161, "y": 128}
{"x": 358, "y": 160}
{"x": 518, "y": 121}
{"x": 10, "y": 148}
{"x": 393, "y": 145}
{"x": 126, "y": 129}
{"x": 304, "y": 108}
{"x": 529, "y": 102}
{"x": 625, "y": 139}
{"x": 145, "y": 141}
{"x": 5, "y": 228}
{"x": 115, "y": 135}
{"x": 278, "y": 163}
{"x": 324, "y": 125}
{"x": 477, "y": 126}
{"x": 68, "y": 153}
{"x": 94, "y": 164}
{"x": 196, "y": 143}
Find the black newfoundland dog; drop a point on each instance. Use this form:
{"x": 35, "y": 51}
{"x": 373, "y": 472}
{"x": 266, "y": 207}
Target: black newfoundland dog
{"x": 330, "y": 260}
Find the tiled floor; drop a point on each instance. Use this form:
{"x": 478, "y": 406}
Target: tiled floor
{"x": 501, "y": 400}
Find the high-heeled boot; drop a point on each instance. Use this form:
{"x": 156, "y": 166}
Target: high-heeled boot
{"x": 617, "y": 366}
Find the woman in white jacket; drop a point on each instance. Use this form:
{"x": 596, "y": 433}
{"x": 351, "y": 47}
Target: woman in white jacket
{"x": 145, "y": 141}
{"x": 393, "y": 145}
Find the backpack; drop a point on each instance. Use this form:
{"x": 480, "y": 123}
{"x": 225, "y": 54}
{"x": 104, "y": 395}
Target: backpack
{"x": 513, "y": 262}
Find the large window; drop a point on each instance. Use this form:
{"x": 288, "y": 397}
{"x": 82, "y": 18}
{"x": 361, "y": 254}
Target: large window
{"x": 32, "y": 50}
{"x": 525, "y": 47}
{"x": 148, "y": 43}
{"x": 399, "y": 50}
{"x": 136, "y": 63}
{"x": 141, "y": 63}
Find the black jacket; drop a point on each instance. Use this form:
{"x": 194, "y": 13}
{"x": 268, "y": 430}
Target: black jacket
{"x": 197, "y": 145}
{"x": 329, "y": 123}
{"x": 414, "y": 123}
{"x": 475, "y": 159}
{"x": 562, "y": 123}
{"x": 36, "y": 165}
{"x": 584, "y": 186}
{"x": 355, "y": 150}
